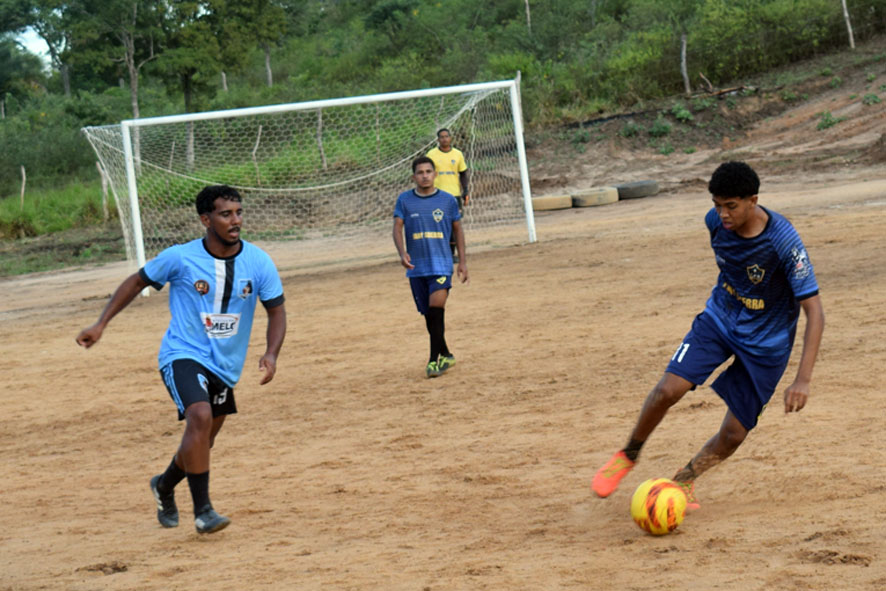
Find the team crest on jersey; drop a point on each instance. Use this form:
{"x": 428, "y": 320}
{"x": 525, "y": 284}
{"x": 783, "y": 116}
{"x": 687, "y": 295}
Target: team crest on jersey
{"x": 244, "y": 288}
{"x": 438, "y": 215}
{"x": 801, "y": 263}
{"x": 202, "y": 286}
{"x": 755, "y": 273}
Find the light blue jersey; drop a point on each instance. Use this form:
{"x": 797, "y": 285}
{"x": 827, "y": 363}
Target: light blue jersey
{"x": 427, "y": 223}
{"x": 762, "y": 280}
{"x": 212, "y": 303}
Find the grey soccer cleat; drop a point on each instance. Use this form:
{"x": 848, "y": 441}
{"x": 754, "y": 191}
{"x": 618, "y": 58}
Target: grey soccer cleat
{"x": 167, "y": 512}
{"x": 209, "y": 522}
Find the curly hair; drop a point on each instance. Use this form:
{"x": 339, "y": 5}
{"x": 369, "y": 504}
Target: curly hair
{"x": 205, "y": 201}
{"x": 734, "y": 179}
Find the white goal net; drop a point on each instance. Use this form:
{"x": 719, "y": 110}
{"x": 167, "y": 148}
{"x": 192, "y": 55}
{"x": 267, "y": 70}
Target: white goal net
{"x": 318, "y": 179}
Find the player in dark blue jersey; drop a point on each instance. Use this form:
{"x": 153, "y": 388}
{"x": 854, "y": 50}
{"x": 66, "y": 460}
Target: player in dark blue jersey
{"x": 215, "y": 283}
{"x": 429, "y": 217}
{"x": 765, "y": 279}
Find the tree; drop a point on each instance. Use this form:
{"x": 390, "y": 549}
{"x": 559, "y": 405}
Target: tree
{"x": 50, "y": 20}
{"x": 20, "y": 71}
{"x": 125, "y": 32}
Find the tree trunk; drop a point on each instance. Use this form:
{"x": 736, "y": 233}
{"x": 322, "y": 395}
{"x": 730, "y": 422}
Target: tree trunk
{"x": 66, "y": 79}
{"x": 224, "y": 78}
{"x": 269, "y": 75}
{"x": 683, "y": 70}
{"x": 528, "y": 18}
{"x": 848, "y": 25}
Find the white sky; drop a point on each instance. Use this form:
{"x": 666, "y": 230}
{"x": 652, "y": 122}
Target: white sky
{"x": 34, "y": 44}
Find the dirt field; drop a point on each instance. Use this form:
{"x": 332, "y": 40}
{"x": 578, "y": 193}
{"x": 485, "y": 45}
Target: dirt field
{"x": 352, "y": 471}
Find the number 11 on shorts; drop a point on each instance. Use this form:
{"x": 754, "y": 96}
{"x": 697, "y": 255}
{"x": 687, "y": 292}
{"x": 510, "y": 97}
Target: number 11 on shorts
{"x": 680, "y": 352}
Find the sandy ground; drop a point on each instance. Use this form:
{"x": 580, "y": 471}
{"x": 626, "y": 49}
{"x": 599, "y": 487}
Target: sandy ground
{"x": 352, "y": 471}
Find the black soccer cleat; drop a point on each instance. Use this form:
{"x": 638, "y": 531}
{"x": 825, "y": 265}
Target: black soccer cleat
{"x": 209, "y": 522}
{"x": 167, "y": 512}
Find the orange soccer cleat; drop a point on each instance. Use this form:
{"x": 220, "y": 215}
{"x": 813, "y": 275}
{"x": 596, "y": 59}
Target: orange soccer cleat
{"x": 607, "y": 478}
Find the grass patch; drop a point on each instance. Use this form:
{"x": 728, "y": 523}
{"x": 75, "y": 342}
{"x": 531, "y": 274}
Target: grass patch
{"x": 47, "y": 211}
{"x": 80, "y": 246}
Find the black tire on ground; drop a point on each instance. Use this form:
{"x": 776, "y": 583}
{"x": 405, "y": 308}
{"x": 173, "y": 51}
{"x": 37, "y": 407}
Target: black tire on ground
{"x": 637, "y": 189}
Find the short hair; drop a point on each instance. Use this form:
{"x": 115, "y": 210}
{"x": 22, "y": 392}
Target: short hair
{"x": 442, "y": 129}
{"x": 422, "y": 160}
{"x": 206, "y": 198}
{"x": 734, "y": 179}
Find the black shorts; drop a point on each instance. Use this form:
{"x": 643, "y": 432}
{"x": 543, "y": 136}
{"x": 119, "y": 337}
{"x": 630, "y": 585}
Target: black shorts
{"x": 188, "y": 382}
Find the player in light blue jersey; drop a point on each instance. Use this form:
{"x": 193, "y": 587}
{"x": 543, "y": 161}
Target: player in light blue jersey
{"x": 765, "y": 279}
{"x": 214, "y": 285}
{"x": 429, "y": 217}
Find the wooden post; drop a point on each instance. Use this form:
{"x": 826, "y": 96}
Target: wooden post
{"x": 254, "y": 160}
{"x": 24, "y": 181}
{"x": 104, "y": 178}
{"x": 320, "y": 137}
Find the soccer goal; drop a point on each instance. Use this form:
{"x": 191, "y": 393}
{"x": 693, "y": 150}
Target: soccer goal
{"x": 319, "y": 179}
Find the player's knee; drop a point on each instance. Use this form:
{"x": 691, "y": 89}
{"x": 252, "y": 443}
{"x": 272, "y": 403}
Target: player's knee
{"x": 199, "y": 418}
{"x": 732, "y": 436}
{"x": 667, "y": 393}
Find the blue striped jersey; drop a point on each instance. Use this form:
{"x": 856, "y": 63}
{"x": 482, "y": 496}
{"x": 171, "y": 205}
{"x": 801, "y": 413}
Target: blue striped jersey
{"x": 762, "y": 280}
{"x": 212, "y": 303}
{"x": 427, "y": 222}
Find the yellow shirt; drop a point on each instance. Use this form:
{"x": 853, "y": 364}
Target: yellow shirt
{"x": 448, "y": 165}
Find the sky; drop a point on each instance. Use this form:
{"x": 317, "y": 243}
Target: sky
{"x": 34, "y": 44}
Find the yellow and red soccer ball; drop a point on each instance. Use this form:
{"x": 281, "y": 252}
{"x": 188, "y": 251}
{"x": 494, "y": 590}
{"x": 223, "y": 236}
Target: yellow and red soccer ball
{"x": 658, "y": 506}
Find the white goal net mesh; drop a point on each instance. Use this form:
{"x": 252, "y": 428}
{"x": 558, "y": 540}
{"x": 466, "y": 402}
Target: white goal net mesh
{"x": 320, "y": 183}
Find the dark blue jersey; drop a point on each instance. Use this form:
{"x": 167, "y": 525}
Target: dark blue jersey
{"x": 762, "y": 280}
{"x": 427, "y": 223}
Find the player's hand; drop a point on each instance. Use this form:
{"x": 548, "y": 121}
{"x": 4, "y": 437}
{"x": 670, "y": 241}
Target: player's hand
{"x": 406, "y": 261}
{"x": 268, "y": 365}
{"x": 467, "y": 198}
{"x": 462, "y": 271}
{"x": 795, "y": 396}
{"x": 89, "y": 336}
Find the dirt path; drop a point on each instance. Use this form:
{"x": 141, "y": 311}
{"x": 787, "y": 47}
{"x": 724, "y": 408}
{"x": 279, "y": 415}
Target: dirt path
{"x": 352, "y": 471}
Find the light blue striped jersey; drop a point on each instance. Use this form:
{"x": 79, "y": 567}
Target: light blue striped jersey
{"x": 427, "y": 222}
{"x": 762, "y": 280}
{"x": 212, "y": 303}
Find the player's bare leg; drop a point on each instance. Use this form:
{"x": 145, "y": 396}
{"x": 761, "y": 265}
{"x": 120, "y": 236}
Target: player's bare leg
{"x": 666, "y": 393}
{"x": 200, "y": 431}
{"x": 719, "y": 447}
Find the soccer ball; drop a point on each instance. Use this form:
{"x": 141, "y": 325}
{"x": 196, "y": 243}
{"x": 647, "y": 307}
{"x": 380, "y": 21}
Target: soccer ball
{"x": 658, "y": 506}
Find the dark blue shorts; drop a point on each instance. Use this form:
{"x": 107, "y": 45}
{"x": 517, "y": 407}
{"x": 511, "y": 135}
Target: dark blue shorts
{"x": 423, "y": 287}
{"x": 188, "y": 382}
{"x": 746, "y": 385}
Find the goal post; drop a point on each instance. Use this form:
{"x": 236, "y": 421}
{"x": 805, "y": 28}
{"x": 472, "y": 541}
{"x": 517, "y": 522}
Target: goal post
{"x": 319, "y": 179}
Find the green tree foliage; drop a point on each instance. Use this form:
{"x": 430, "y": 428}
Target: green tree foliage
{"x": 21, "y": 73}
{"x": 580, "y": 57}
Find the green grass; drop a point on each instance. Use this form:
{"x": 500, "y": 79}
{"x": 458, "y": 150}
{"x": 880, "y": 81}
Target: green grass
{"x": 46, "y": 211}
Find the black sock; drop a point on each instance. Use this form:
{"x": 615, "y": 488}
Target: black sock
{"x": 434, "y": 320}
{"x": 199, "y": 484}
{"x": 633, "y": 449}
{"x": 171, "y": 477}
